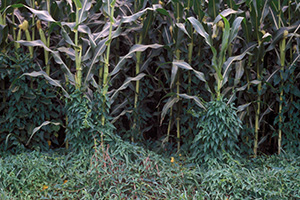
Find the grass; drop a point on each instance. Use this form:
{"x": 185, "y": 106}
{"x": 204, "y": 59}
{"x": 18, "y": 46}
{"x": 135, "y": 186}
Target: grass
{"x": 130, "y": 172}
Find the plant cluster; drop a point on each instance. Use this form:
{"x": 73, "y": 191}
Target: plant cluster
{"x": 219, "y": 130}
{"x": 27, "y": 103}
{"x": 154, "y": 62}
{"x": 109, "y": 172}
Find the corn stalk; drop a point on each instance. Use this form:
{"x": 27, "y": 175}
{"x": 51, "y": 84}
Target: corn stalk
{"x": 282, "y": 45}
{"x": 110, "y": 9}
{"x": 219, "y": 63}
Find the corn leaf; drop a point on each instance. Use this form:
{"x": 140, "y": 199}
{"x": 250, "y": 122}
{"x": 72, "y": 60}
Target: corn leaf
{"x": 36, "y": 129}
{"x": 126, "y": 84}
{"x": 53, "y": 82}
{"x": 171, "y": 101}
{"x": 183, "y": 65}
{"x": 55, "y": 54}
{"x": 135, "y": 48}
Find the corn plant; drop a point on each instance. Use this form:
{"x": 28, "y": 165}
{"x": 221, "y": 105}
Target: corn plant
{"x": 86, "y": 53}
{"x": 283, "y": 27}
{"x": 220, "y": 64}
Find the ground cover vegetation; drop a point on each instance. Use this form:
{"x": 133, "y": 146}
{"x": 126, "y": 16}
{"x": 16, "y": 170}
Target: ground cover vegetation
{"x": 149, "y": 99}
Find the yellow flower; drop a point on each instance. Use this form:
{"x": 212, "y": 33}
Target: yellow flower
{"x": 49, "y": 142}
{"x": 65, "y": 181}
{"x": 172, "y": 159}
{"x": 45, "y": 187}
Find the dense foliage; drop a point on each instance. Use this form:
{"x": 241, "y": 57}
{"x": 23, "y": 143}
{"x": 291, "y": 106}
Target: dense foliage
{"x": 27, "y": 103}
{"x": 219, "y": 129}
{"x": 214, "y": 81}
{"x": 158, "y": 62}
{"x": 103, "y": 174}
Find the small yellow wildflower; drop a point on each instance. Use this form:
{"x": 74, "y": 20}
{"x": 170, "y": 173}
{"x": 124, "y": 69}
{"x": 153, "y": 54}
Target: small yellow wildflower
{"x": 172, "y": 159}
{"x": 49, "y": 142}
{"x": 45, "y": 187}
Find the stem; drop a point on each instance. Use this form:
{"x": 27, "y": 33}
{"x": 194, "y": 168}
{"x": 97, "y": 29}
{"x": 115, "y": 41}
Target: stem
{"x": 257, "y": 113}
{"x": 106, "y": 65}
{"x": 248, "y": 88}
{"x": 14, "y": 32}
{"x": 100, "y": 75}
{"x": 28, "y": 38}
{"x": 78, "y": 76}
{"x": 33, "y": 21}
{"x": 282, "y": 60}
{"x": 178, "y": 110}
{"x": 137, "y": 86}
{"x": 178, "y": 81}
{"x": 47, "y": 44}
{"x": 257, "y": 124}
{"x": 190, "y": 54}
{"x": 169, "y": 124}
{"x": 43, "y": 39}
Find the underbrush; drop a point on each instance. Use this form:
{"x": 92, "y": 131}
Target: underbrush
{"x": 126, "y": 171}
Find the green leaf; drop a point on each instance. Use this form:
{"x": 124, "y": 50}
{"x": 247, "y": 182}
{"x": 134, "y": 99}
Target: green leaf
{"x": 98, "y": 52}
{"x": 213, "y": 8}
{"x": 55, "y": 54}
{"x": 182, "y": 27}
{"x": 171, "y": 101}
{"x": 173, "y": 74}
{"x": 234, "y": 29}
{"x": 239, "y": 72}
{"x": 243, "y": 107}
{"x": 53, "y": 82}
{"x": 195, "y": 98}
{"x": 135, "y": 48}
{"x": 199, "y": 28}
{"x": 186, "y": 66}
{"x": 225, "y": 13}
{"x": 83, "y": 12}
{"x": 135, "y": 16}
{"x": 125, "y": 85}
{"x": 229, "y": 61}
{"x": 77, "y": 4}
{"x": 39, "y": 127}
{"x": 163, "y": 11}
{"x": 41, "y": 14}
{"x": 224, "y": 47}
